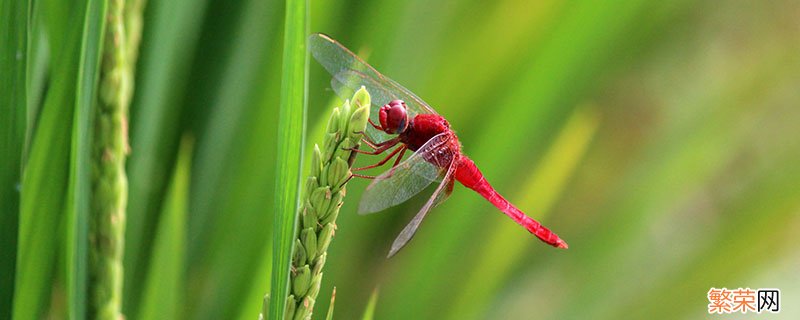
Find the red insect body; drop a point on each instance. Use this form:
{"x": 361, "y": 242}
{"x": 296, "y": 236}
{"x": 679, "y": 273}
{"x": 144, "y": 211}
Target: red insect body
{"x": 437, "y": 151}
{"x": 425, "y": 126}
{"x": 468, "y": 174}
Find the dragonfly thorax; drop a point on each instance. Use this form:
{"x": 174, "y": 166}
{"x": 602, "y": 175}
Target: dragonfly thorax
{"x": 393, "y": 117}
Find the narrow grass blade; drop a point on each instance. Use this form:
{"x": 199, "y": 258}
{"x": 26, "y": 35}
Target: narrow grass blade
{"x": 47, "y": 169}
{"x": 291, "y": 127}
{"x": 169, "y": 37}
{"x": 79, "y": 191}
{"x": 163, "y": 290}
{"x": 369, "y": 311}
{"x": 13, "y": 89}
{"x": 329, "y": 316}
{"x": 264, "y": 308}
{"x": 38, "y": 60}
{"x": 240, "y": 61}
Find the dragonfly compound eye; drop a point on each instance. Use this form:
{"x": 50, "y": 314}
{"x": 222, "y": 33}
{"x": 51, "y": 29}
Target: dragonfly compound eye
{"x": 393, "y": 117}
{"x": 394, "y": 103}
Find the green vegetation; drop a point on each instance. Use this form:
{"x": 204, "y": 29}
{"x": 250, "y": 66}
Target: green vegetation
{"x": 290, "y": 140}
{"x": 323, "y": 195}
{"x": 659, "y": 139}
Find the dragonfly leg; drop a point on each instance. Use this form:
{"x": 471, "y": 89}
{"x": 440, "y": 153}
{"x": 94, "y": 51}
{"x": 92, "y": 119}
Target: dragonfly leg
{"x": 368, "y": 141}
{"x": 356, "y": 175}
{"x": 388, "y": 144}
{"x": 397, "y": 161}
{"x": 375, "y": 125}
{"x": 400, "y": 157}
{"x": 389, "y": 157}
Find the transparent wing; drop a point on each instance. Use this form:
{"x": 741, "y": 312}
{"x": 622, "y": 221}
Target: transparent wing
{"x": 408, "y": 178}
{"x": 443, "y": 191}
{"x": 350, "y": 73}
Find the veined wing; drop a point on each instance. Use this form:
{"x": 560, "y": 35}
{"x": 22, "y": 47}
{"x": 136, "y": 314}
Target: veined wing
{"x": 352, "y": 72}
{"x": 442, "y": 192}
{"x": 411, "y": 176}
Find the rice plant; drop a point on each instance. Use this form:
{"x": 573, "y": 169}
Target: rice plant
{"x": 658, "y": 138}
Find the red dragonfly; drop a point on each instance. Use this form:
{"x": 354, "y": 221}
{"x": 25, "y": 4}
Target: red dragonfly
{"x": 400, "y": 118}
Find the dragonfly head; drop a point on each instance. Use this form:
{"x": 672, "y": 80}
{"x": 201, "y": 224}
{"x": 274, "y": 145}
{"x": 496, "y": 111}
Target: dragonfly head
{"x": 393, "y": 117}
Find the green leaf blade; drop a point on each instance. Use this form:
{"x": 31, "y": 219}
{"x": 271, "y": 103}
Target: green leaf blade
{"x": 13, "y": 88}
{"x": 45, "y": 177}
{"x": 79, "y": 189}
{"x": 168, "y": 38}
{"x": 291, "y": 133}
{"x": 163, "y": 295}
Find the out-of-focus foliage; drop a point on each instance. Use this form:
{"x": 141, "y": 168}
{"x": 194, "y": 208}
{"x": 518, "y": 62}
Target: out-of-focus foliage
{"x": 659, "y": 139}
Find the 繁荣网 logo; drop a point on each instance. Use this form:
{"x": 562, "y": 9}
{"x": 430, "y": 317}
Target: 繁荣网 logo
{"x": 743, "y": 300}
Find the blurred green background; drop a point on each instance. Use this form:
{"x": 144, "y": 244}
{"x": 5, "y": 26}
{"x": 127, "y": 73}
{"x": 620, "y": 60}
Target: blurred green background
{"x": 659, "y": 139}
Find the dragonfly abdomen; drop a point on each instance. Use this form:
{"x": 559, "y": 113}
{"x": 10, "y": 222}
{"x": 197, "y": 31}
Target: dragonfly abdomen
{"x": 468, "y": 174}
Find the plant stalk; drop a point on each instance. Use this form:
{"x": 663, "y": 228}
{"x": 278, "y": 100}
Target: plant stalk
{"x": 109, "y": 180}
{"x": 323, "y": 195}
